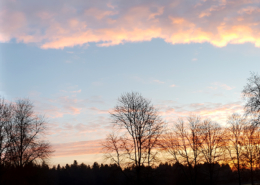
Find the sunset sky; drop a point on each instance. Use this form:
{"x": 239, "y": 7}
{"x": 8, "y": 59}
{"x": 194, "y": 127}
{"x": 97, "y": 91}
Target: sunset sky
{"x": 73, "y": 59}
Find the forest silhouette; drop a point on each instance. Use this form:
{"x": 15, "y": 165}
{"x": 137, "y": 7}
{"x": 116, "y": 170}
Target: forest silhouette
{"x": 141, "y": 149}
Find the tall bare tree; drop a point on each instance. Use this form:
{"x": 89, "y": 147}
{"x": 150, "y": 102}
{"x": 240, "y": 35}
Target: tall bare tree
{"x": 212, "y": 146}
{"x": 5, "y": 120}
{"x": 25, "y": 135}
{"x": 251, "y": 152}
{"x": 140, "y": 127}
{"x": 251, "y": 93}
{"x": 235, "y": 141}
{"x": 184, "y": 145}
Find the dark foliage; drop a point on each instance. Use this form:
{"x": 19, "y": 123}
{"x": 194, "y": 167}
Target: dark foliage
{"x": 79, "y": 174}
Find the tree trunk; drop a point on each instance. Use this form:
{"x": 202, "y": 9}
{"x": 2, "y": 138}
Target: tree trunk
{"x": 252, "y": 176}
{"x": 239, "y": 178}
{"x": 211, "y": 177}
{"x": 138, "y": 175}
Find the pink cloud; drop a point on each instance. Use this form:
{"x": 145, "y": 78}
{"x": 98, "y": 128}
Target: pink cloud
{"x": 67, "y": 24}
{"x": 60, "y": 106}
{"x": 77, "y": 148}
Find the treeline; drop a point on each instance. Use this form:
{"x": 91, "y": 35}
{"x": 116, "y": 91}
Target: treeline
{"x": 104, "y": 174}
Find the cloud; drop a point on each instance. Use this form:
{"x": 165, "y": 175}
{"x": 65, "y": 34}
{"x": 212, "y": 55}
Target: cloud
{"x": 98, "y": 124}
{"x": 60, "y": 106}
{"x": 97, "y": 83}
{"x": 71, "y": 91}
{"x": 70, "y": 23}
{"x": 99, "y": 111}
{"x": 158, "y": 81}
{"x": 85, "y": 127}
{"x": 65, "y": 105}
{"x": 214, "y": 111}
{"x": 77, "y": 148}
{"x": 78, "y": 91}
{"x": 217, "y": 85}
{"x": 57, "y": 111}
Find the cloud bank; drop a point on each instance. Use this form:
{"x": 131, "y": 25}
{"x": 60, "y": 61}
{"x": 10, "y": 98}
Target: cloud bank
{"x": 59, "y": 24}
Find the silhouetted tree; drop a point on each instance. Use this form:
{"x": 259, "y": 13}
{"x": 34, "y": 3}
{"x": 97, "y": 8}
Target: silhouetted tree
{"x": 5, "y": 120}
{"x": 25, "y": 134}
{"x": 113, "y": 149}
{"x": 140, "y": 127}
{"x": 251, "y": 152}
{"x": 251, "y": 93}
{"x": 235, "y": 144}
{"x": 212, "y": 147}
{"x": 184, "y": 144}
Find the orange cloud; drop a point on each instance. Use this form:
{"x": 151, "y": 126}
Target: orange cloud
{"x": 215, "y": 111}
{"x": 78, "y": 23}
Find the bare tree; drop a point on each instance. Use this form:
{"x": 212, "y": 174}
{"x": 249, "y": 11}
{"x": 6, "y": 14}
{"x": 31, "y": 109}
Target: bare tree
{"x": 235, "y": 144}
{"x": 251, "y": 152}
{"x": 140, "y": 127}
{"x": 184, "y": 145}
{"x": 5, "y": 120}
{"x": 173, "y": 145}
{"x": 212, "y": 146}
{"x": 113, "y": 149}
{"x": 251, "y": 93}
{"x": 25, "y": 134}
